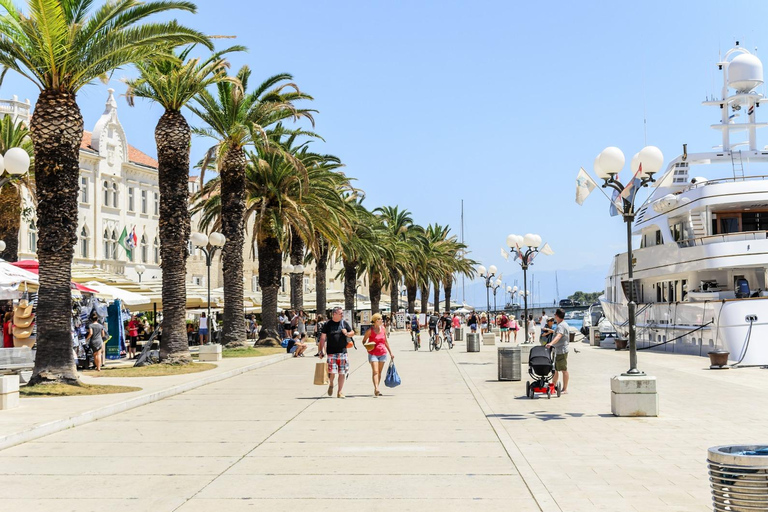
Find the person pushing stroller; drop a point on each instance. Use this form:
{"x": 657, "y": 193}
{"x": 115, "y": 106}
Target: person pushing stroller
{"x": 560, "y": 344}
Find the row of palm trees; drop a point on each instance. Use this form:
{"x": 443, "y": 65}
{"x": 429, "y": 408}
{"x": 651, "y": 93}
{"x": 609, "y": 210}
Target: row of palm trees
{"x": 299, "y": 203}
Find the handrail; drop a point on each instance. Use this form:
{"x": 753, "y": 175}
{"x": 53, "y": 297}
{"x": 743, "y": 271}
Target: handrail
{"x": 726, "y": 180}
{"x": 725, "y": 237}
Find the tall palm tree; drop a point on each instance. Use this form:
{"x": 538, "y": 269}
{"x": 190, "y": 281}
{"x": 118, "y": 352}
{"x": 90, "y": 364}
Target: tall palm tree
{"x": 13, "y": 134}
{"x": 62, "y": 46}
{"x": 282, "y": 195}
{"x": 237, "y": 118}
{"x": 173, "y": 83}
{"x": 401, "y": 229}
{"x": 437, "y": 236}
{"x": 458, "y": 264}
{"x": 375, "y": 266}
{"x": 358, "y": 247}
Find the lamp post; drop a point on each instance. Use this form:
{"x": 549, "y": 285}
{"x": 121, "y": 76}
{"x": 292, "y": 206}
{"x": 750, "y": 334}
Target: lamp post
{"x": 488, "y": 276}
{"x": 293, "y": 270}
{"x": 643, "y": 166}
{"x": 140, "y": 269}
{"x": 512, "y": 291}
{"x": 495, "y": 287}
{"x": 202, "y": 241}
{"x": 525, "y": 248}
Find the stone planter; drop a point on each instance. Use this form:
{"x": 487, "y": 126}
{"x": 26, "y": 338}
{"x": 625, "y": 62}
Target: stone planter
{"x": 718, "y": 359}
{"x": 621, "y": 344}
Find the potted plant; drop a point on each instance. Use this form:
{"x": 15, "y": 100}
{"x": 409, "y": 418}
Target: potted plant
{"x": 718, "y": 359}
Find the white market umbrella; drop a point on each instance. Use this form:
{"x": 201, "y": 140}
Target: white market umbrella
{"x": 462, "y": 311}
{"x": 128, "y": 298}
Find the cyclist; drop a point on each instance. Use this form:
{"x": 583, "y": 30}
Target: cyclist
{"x": 433, "y": 318}
{"x": 415, "y": 332}
{"x": 445, "y": 325}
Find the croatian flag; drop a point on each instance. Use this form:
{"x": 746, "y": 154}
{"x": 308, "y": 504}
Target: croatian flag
{"x": 633, "y": 184}
{"x": 132, "y": 241}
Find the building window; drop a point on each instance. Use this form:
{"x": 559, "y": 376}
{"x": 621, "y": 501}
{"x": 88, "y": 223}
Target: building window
{"x": 83, "y": 243}
{"x": 83, "y": 189}
{"x": 110, "y": 244}
{"x": 197, "y": 280}
{"x": 255, "y": 284}
{"x": 131, "y": 203}
{"x": 115, "y": 202}
{"x": 306, "y": 285}
{"x": 32, "y": 237}
{"x": 144, "y": 201}
{"x": 144, "y": 249}
{"x": 157, "y": 250}
{"x": 106, "y": 193}
{"x": 157, "y": 203}
{"x": 282, "y": 284}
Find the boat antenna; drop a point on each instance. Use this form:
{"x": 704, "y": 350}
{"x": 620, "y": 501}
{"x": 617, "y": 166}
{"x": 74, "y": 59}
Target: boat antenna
{"x": 463, "y": 251}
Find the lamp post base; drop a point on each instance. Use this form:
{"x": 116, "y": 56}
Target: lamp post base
{"x": 634, "y": 396}
{"x": 633, "y": 372}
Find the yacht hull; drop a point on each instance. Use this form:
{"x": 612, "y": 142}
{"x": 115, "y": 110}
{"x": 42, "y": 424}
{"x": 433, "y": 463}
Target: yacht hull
{"x": 739, "y": 326}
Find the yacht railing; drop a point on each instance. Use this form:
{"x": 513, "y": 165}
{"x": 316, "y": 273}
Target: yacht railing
{"x": 727, "y": 180}
{"x": 726, "y": 237}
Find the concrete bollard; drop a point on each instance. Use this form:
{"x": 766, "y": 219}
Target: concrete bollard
{"x": 634, "y": 396}
{"x": 210, "y": 352}
{"x": 525, "y": 351}
{"x": 9, "y": 392}
{"x": 473, "y": 342}
{"x": 489, "y": 338}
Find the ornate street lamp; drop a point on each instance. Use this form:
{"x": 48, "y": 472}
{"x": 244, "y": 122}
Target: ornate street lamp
{"x": 525, "y": 248}
{"x": 140, "y": 269}
{"x": 15, "y": 162}
{"x": 488, "y": 275}
{"x": 495, "y": 287}
{"x": 644, "y": 165}
{"x": 208, "y": 244}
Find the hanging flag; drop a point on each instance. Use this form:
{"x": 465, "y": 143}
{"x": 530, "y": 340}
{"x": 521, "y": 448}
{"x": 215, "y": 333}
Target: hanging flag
{"x": 633, "y": 184}
{"x": 504, "y": 254}
{"x": 546, "y": 250}
{"x": 517, "y": 255}
{"x": 131, "y": 242}
{"x": 530, "y": 258}
{"x": 123, "y": 241}
{"x": 584, "y": 186}
{"x": 617, "y": 205}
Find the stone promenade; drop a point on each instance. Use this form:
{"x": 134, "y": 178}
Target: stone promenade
{"x": 451, "y": 438}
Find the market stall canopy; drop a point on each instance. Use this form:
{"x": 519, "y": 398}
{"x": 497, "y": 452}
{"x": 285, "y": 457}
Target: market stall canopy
{"x": 14, "y": 279}
{"x": 113, "y": 292}
{"x": 462, "y": 311}
{"x": 33, "y": 266}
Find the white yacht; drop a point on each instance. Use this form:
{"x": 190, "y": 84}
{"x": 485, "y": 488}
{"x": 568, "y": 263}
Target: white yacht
{"x": 701, "y": 272}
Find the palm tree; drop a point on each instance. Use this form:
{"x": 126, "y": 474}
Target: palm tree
{"x": 359, "y": 247}
{"x": 173, "y": 83}
{"x": 458, "y": 264}
{"x": 61, "y": 46}
{"x": 13, "y": 134}
{"x": 440, "y": 264}
{"x": 283, "y": 195}
{"x": 237, "y": 119}
{"x": 400, "y": 228}
{"x": 376, "y": 263}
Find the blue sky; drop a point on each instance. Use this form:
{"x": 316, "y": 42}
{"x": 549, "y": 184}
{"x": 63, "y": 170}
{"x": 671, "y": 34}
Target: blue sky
{"x": 495, "y": 103}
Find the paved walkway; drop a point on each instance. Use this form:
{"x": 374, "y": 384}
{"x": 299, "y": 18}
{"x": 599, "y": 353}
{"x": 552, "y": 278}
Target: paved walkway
{"x": 450, "y": 438}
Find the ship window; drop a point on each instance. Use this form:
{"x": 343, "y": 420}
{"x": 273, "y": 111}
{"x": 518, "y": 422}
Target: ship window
{"x": 658, "y": 237}
{"x": 728, "y": 223}
{"x": 754, "y": 221}
{"x": 658, "y": 292}
{"x": 684, "y": 289}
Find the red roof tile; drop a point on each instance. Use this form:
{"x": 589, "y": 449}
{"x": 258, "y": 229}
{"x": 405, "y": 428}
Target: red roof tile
{"x": 134, "y": 155}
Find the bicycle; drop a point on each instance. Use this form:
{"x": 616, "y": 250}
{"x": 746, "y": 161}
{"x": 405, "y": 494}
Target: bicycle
{"x": 448, "y": 337}
{"x": 416, "y": 338}
{"x": 435, "y": 341}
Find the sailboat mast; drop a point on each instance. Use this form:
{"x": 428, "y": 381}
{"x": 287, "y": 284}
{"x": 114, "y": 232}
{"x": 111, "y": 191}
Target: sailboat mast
{"x": 463, "y": 252}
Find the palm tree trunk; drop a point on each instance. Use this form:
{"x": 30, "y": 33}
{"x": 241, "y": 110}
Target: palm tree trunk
{"x": 350, "y": 280}
{"x": 297, "y": 280}
{"x": 437, "y": 296}
{"x": 411, "y": 291}
{"x": 172, "y": 136}
{"x": 448, "y": 285}
{"x": 394, "y": 293}
{"x": 233, "y": 227}
{"x": 57, "y": 130}
{"x": 321, "y": 265}
{"x": 10, "y": 221}
{"x": 424, "y": 298}
{"x": 375, "y": 290}
{"x": 270, "y": 271}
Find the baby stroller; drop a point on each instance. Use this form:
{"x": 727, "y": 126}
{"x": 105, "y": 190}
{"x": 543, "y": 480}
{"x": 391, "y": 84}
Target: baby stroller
{"x": 541, "y": 368}
{"x": 84, "y": 356}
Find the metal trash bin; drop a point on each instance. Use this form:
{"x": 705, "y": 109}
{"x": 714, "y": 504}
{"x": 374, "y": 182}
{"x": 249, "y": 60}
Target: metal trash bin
{"x": 738, "y": 477}
{"x": 473, "y": 342}
{"x": 510, "y": 363}
{"x": 458, "y": 334}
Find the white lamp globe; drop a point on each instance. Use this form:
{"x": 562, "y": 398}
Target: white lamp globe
{"x": 652, "y": 159}
{"x": 16, "y": 161}
{"x": 217, "y": 239}
{"x": 530, "y": 240}
{"x": 492, "y": 270}
{"x": 611, "y": 160}
{"x": 288, "y": 269}
{"x": 509, "y": 289}
{"x": 140, "y": 269}
{"x": 634, "y": 164}
{"x": 599, "y": 170}
{"x": 511, "y": 239}
{"x": 514, "y": 289}
{"x": 199, "y": 239}
{"x": 2, "y": 245}
{"x": 537, "y": 241}
{"x": 481, "y": 270}
{"x": 498, "y": 282}
{"x": 298, "y": 269}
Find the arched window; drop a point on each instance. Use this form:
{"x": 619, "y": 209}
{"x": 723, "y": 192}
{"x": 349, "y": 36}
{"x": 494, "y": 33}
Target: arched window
{"x": 157, "y": 203}
{"x": 144, "y": 249}
{"x": 114, "y": 244}
{"x": 32, "y": 236}
{"x": 83, "y": 243}
{"x": 107, "y": 244}
{"x": 106, "y": 193}
{"x": 131, "y": 202}
{"x": 157, "y": 250}
{"x": 115, "y": 203}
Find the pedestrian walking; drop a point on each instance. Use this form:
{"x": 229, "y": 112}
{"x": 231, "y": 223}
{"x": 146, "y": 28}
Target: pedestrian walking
{"x": 202, "y": 329}
{"x": 472, "y": 322}
{"x": 483, "y": 324}
{"x": 133, "y": 336}
{"x": 531, "y": 330}
{"x": 514, "y": 326}
{"x": 504, "y": 327}
{"x": 95, "y": 339}
{"x": 377, "y": 355}
{"x": 334, "y": 338}
{"x": 560, "y": 342}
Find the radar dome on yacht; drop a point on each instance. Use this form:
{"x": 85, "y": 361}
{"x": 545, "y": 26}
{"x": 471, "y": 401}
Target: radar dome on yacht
{"x": 699, "y": 179}
{"x": 745, "y": 72}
